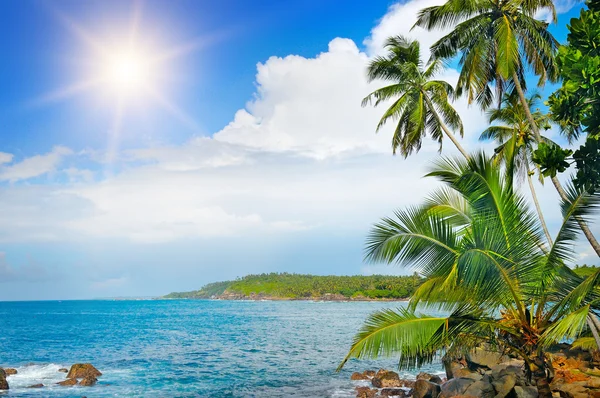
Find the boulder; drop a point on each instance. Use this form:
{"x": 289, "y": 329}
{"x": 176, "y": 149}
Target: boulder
{"x": 570, "y": 390}
{"x": 525, "y": 392}
{"x": 68, "y": 382}
{"x": 88, "y": 381}
{"x": 482, "y": 388}
{"x": 83, "y": 370}
{"x": 467, "y": 374}
{"x": 425, "y": 389}
{"x": 369, "y": 373}
{"x": 359, "y": 376}
{"x": 485, "y": 356}
{"x": 452, "y": 365}
{"x": 429, "y": 377}
{"x": 63, "y": 370}
{"x": 393, "y": 392}
{"x": 3, "y": 382}
{"x": 593, "y": 382}
{"x": 40, "y": 385}
{"x": 514, "y": 368}
{"x": 365, "y": 392}
{"x": 10, "y": 371}
{"x": 455, "y": 387}
{"x": 505, "y": 385}
{"x": 386, "y": 379}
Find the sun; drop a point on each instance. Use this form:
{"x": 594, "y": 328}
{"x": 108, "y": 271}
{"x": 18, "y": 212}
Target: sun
{"x": 128, "y": 73}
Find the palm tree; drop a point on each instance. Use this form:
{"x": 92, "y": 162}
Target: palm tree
{"x": 420, "y": 103}
{"x": 516, "y": 143}
{"x": 497, "y": 39}
{"x": 478, "y": 247}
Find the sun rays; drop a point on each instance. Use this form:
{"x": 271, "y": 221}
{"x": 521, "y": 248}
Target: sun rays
{"x": 125, "y": 72}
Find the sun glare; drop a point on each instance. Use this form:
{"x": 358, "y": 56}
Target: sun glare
{"x": 128, "y": 73}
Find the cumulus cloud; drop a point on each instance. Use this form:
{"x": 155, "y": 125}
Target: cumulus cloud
{"x": 33, "y": 166}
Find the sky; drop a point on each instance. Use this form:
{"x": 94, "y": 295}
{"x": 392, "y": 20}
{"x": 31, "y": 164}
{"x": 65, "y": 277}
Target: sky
{"x": 150, "y": 147}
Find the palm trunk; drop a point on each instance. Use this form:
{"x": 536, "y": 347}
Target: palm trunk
{"x": 538, "y": 209}
{"x": 592, "y": 322}
{"x": 446, "y": 130}
{"x": 541, "y": 378}
{"x": 586, "y": 230}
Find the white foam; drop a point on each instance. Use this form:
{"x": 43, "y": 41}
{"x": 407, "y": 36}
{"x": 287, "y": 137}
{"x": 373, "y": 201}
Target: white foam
{"x": 28, "y": 375}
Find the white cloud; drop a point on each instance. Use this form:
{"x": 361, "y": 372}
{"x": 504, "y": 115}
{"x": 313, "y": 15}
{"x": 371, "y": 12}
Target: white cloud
{"x": 5, "y": 157}
{"x": 34, "y": 166}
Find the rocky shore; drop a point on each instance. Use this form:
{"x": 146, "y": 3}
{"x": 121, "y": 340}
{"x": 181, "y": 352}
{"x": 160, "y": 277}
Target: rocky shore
{"x": 82, "y": 374}
{"x": 488, "y": 374}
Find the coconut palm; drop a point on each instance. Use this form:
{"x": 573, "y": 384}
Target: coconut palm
{"x": 420, "y": 103}
{"x": 478, "y": 246}
{"x": 516, "y": 143}
{"x": 496, "y": 40}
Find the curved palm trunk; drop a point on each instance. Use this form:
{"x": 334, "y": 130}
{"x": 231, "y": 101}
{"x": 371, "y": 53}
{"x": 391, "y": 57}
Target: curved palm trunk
{"x": 446, "y": 130}
{"x": 538, "y": 209}
{"x": 541, "y": 377}
{"x": 586, "y": 230}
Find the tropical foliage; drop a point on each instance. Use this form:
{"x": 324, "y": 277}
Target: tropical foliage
{"x": 478, "y": 246}
{"x": 419, "y": 102}
{"x": 295, "y": 286}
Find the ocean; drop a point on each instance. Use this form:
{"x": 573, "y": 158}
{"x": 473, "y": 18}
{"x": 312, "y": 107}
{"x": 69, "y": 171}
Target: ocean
{"x": 186, "y": 348}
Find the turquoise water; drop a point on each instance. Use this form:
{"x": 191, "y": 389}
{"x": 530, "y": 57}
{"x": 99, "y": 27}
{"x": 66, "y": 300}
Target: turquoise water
{"x": 178, "y": 348}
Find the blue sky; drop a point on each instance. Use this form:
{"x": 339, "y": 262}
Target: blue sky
{"x": 242, "y": 149}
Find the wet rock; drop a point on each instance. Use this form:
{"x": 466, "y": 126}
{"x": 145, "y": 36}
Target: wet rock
{"x": 88, "y": 381}
{"x": 36, "y": 386}
{"x": 429, "y": 377}
{"x": 455, "y": 387}
{"x": 369, "y": 373}
{"x": 425, "y": 389}
{"x": 359, "y": 376}
{"x": 63, "y": 370}
{"x": 10, "y": 371}
{"x": 3, "y": 382}
{"x": 83, "y": 370}
{"x": 365, "y": 392}
{"x": 393, "y": 392}
{"x": 68, "y": 382}
{"x": 386, "y": 379}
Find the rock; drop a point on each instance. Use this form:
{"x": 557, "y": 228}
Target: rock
{"x": 512, "y": 368}
{"x": 36, "y": 386}
{"x": 455, "y": 387}
{"x": 10, "y": 371}
{"x": 393, "y": 392}
{"x": 482, "y": 388}
{"x": 358, "y": 376}
{"x": 425, "y": 389}
{"x": 83, "y": 370}
{"x": 452, "y": 365}
{"x": 365, "y": 392}
{"x": 369, "y": 373}
{"x": 505, "y": 385}
{"x": 88, "y": 381}
{"x": 593, "y": 382}
{"x": 526, "y": 392}
{"x": 386, "y": 379}
{"x": 63, "y": 370}
{"x": 485, "y": 356}
{"x": 3, "y": 382}
{"x": 570, "y": 390}
{"x": 68, "y": 382}
{"x": 467, "y": 374}
{"x": 429, "y": 377}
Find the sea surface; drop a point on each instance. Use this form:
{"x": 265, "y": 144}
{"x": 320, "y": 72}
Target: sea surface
{"x": 181, "y": 348}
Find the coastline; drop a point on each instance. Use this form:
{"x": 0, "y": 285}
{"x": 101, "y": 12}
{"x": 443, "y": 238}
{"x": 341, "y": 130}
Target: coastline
{"x": 326, "y": 298}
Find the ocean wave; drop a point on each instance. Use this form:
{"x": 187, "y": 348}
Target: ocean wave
{"x": 28, "y": 375}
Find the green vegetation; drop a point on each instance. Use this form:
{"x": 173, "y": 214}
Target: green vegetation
{"x": 297, "y": 286}
{"x": 488, "y": 261}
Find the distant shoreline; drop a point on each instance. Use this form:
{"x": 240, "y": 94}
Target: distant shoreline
{"x": 307, "y": 299}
